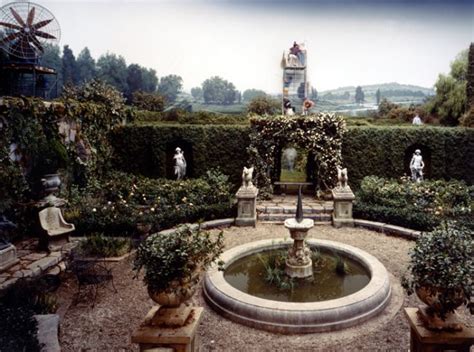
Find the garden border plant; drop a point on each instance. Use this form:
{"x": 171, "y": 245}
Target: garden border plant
{"x": 419, "y": 206}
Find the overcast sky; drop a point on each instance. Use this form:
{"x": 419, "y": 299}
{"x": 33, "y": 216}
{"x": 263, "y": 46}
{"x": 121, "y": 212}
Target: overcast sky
{"x": 349, "y": 42}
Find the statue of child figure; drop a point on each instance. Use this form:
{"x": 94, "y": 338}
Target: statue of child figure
{"x": 179, "y": 164}
{"x": 416, "y": 166}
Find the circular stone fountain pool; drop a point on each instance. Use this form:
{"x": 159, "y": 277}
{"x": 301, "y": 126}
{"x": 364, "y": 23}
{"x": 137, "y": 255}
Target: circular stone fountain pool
{"x": 243, "y": 295}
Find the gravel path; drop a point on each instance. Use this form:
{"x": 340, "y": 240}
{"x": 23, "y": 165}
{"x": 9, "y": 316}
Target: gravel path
{"x": 109, "y": 324}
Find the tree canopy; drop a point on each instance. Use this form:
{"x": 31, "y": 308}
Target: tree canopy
{"x": 450, "y": 101}
{"x": 359, "y": 95}
{"x": 218, "y": 91}
{"x": 170, "y": 86}
{"x": 110, "y": 68}
{"x": 86, "y": 66}
{"x": 196, "y": 92}
{"x": 250, "y": 94}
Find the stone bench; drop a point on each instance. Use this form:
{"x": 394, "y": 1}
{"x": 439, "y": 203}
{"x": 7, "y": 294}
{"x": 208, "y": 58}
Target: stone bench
{"x": 55, "y": 229}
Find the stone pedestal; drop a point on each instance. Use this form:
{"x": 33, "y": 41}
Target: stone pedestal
{"x": 342, "y": 215}
{"x": 8, "y": 257}
{"x": 299, "y": 263}
{"x": 179, "y": 339}
{"x": 424, "y": 340}
{"x": 247, "y": 206}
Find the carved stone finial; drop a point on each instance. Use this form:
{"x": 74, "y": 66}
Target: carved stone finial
{"x": 299, "y": 207}
{"x": 247, "y": 175}
{"x": 342, "y": 178}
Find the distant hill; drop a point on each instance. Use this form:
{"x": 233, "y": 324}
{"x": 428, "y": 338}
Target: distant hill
{"x": 391, "y": 88}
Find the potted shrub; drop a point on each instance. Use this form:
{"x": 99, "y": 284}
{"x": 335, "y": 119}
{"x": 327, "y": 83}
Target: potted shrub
{"x": 441, "y": 273}
{"x": 173, "y": 263}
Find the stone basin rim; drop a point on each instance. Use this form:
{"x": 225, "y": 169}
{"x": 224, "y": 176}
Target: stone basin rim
{"x": 293, "y": 317}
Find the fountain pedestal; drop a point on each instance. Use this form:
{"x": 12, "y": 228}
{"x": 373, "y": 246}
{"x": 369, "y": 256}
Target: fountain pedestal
{"x": 299, "y": 263}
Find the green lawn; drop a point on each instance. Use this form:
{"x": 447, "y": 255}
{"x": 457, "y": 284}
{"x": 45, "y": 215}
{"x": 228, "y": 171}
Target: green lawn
{"x": 223, "y": 109}
{"x": 295, "y": 176}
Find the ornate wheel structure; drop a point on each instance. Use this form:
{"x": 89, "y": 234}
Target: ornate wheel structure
{"x": 27, "y": 27}
{"x": 26, "y": 31}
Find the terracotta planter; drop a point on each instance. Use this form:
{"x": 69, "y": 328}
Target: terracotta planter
{"x": 431, "y": 316}
{"x": 177, "y": 293}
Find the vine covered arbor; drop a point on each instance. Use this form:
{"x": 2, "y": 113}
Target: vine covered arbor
{"x": 320, "y": 135}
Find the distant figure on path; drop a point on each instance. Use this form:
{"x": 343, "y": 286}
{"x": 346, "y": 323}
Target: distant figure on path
{"x": 307, "y": 105}
{"x": 417, "y": 120}
{"x": 179, "y": 164}
{"x": 416, "y": 166}
{"x": 287, "y": 107}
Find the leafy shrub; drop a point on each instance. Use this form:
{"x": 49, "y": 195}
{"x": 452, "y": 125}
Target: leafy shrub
{"x": 389, "y": 110}
{"x": 467, "y": 120}
{"x": 264, "y": 105}
{"x": 169, "y": 257}
{"x": 420, "y": 206}
{"x": 97, "y": 91}
{"x": 442, "y": 261}
{"x": 116, "y": 204}
{"x": 98, "y": 245}
{"x": 148, "y": 101}
{"x": 18, "y": 329}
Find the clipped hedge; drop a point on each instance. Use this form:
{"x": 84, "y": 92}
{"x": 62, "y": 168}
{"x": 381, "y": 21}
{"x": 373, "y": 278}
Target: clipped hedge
{"x": 380, "y": 151}
{"x": 191, "y": 118}
{"x": 148, "y": 149}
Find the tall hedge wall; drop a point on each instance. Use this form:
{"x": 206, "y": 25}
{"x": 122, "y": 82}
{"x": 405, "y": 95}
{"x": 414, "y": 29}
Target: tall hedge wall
{"x": 148, "y": 149}
{"x": 385, "y": 152}
{"x": 380, "y": 151}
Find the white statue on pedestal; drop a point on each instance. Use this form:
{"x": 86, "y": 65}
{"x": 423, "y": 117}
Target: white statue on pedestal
{"x": 179, "y": 164}
{"x": 416, "y": 166}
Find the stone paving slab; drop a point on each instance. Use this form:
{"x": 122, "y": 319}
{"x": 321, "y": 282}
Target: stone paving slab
{"x": 48, "y": 332}
{"x": 35, "y": 256}
{"x": 33, "y": 262}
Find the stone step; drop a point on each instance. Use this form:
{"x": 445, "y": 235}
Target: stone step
{"x": 282, "y": 217}
{"x": 316, "y": 223}
{"x": 316, "y": 209}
